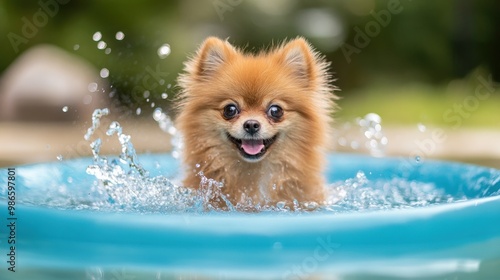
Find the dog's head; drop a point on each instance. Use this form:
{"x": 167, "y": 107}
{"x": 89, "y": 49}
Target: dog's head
{"x": 253, "y": 103}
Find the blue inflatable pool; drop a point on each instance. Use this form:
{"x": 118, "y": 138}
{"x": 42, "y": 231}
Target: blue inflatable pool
{"x": 452, "y": 231}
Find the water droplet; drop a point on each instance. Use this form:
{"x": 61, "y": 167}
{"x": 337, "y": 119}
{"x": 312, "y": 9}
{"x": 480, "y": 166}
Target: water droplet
{"x": 101, "y": 45}
{"x": 164, "y": 95}
{"x": 157, "y": 114}
{"x": 104, "y": 73}
{"x": 119, "y": 35}
{"x": 87, "y": 99}
{"x": 92, "y": 87}
{"x": 69, "y": 180}
{"x": 421, "y": 127}
{"x": 107, "y": 51}
{"x": 97, "y": 36}
{"x": 197, "y": 165}
{"x": 418, "y": 159}
{"x": 76, "y": 47}
{"x": 164, "y": 51}
{"x": 172, "y": 130}
{"x": 138, "y": 111}
{"x": 169, "y": 86}
{"x": 65, "y": 109}
{"x": 369, "y": 134}
{"x": 372, "y": 117}
{"x": 175, "y": 154}
{"x": 59, "y": 157}
{"x": 146, "y": 94}
{"x": 152, "y": 104}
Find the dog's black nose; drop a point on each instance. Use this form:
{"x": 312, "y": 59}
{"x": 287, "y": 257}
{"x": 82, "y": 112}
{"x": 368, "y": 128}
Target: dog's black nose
{"x": 251, "y": 126}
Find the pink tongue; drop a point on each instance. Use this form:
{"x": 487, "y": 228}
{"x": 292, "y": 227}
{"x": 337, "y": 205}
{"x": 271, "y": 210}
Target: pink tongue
{"x": 252, "y": 147}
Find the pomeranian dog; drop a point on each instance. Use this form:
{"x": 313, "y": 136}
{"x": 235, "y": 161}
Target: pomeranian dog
{"x": 258, "y": 123}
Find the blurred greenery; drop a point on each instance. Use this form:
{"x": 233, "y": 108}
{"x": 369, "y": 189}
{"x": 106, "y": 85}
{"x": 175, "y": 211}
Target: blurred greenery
{"x": 407, "y": 68}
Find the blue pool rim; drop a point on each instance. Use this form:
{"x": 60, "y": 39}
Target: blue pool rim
{"x": 272, "y": 243}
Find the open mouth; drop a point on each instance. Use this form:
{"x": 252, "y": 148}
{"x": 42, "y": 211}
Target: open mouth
{"x": 252, "y": 149}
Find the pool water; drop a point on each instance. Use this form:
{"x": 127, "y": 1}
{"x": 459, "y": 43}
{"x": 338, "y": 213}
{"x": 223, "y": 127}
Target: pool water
{"x": 432, "y": 220}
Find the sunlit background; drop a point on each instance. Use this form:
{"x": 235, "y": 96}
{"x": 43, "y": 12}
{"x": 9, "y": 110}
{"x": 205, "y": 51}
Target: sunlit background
{"x": 428, "y": 68}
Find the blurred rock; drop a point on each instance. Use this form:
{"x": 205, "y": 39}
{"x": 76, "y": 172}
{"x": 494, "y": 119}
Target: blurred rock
{"x": 47, "y": 83}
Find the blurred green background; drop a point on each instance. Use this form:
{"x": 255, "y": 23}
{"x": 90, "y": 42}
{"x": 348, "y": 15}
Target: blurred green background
{"x": 408, "y": 61}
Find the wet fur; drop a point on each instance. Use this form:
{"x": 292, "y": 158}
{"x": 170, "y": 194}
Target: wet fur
{"x": 292, "y": 75}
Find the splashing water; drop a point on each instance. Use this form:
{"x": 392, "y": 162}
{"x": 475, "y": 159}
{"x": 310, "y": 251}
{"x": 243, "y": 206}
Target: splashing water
{"x": 128, "y": 154}
{"x": 360, "y": 194}
{"x": 364, "y": 134}
{"x": 96, "y": 122}
{"x": 167, "y": 125}
{"x": 124, "y": 185}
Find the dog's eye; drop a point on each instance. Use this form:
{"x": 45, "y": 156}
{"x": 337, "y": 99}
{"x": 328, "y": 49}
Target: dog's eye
{"x": 275, "y": 112}
{"x": 230, "y": 111}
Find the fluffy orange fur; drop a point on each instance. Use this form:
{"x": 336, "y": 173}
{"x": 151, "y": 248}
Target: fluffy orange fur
{"x": 291, "y": 77}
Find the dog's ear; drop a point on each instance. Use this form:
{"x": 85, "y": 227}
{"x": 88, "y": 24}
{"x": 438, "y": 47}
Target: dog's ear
{"x": 212, "y": 54}
{"x": 299, "y": 56}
